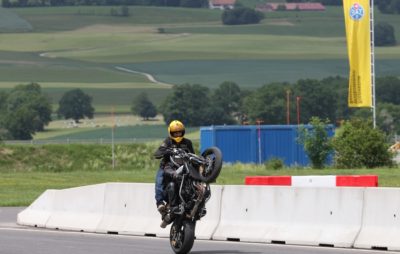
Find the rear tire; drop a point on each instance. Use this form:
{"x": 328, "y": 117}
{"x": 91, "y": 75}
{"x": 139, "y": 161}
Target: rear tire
{"x": 214, "y": 155}
{"x": 181, "y": 236}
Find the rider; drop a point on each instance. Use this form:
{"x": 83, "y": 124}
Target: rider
{"x": 176, "y": 131}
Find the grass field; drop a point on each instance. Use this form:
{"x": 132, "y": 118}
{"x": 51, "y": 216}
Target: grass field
{"x": 128, "y": 127}
{"x": 81, "y": 46}
{"x": 10, "y": 22}
{"x": 124, "y": 132}
{"x": 21, "y": 189}
{"x": 26, "y": 171}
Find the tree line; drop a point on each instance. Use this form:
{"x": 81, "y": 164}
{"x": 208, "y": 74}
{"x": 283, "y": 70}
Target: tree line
{"x": 327, "y": 99}
{"x": 389, "y": 6}
{"x": 26, "y": 110}
{"x": 38, "y": 3}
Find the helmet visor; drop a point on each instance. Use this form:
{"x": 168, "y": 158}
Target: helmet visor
{"x": 176, "y": 134}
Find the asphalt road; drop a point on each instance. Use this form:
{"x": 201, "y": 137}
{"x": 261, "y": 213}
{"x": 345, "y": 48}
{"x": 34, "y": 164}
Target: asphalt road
{"x": 16, "y": 239}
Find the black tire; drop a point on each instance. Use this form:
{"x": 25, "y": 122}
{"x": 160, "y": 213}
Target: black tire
{"x": 181, "y": 236}
{"x": 214, "y": 155}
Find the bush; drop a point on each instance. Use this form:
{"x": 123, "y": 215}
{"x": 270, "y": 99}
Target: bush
{"x": 384, "y": 34}
{"x": 241, "y": 16}
{"x": 358, "y": 144}
{"x": 316, "y": 142}
{"x": 274, "y": 163}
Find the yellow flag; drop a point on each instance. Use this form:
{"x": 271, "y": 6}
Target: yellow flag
{"x": 357, "y": 19}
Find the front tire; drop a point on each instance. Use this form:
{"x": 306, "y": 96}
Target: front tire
{"x": 214, "y": 158}
{"x": 181, "y": 236}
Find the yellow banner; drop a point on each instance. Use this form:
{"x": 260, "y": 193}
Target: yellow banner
{"x": 357, "y": 19}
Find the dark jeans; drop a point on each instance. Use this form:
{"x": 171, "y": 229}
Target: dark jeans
{"x": 160, "y": 196}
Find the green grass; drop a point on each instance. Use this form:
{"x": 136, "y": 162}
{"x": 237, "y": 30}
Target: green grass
{"x": 123, "y": 132}
{"x": 80, "y": 47}
{"x": 70, "y": 18}
{"x": 254, "y": 73}
{"x": 27, "y": 171}
{"x": 105, "y": 98}
{"x": 21, "y": 189}
{"x": 10, "y": 22}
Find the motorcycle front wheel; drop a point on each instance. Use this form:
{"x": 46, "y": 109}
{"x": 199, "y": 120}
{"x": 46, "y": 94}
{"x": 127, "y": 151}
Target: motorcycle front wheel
{"x": 181, "y": 236}
{"x": 214, "y": 164}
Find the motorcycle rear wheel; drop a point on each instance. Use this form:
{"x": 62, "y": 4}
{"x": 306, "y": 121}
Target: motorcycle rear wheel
{"x": 181, "y": 236}
{"x": 215, "y": 156}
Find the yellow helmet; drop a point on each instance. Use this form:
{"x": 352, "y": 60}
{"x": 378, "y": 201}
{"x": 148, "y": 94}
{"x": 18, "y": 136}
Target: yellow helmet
{"x": 176, "y": 126}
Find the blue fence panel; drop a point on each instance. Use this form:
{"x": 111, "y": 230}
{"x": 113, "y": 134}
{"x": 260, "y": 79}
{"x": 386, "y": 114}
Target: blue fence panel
{"x": 278, "y": 143}
{"x": 247, "y": 143}
{"x": 206, "y": 137}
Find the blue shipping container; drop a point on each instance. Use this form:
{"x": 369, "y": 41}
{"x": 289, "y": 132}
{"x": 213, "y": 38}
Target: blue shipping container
{"x": 257, "y": 144}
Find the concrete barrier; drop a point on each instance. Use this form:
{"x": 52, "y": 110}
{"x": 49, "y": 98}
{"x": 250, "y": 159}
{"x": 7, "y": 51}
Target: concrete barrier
{"x": 38, "y": 213}
{"x": 315, "y": 181}
{"x": 319, "y": 217}
{"x": 339, "y": 217}
{"x": 307, "y": 216}
{"x": 78, "y": 209}
{"x": 381, "y": 220}
{"x": 248, "y": 212}
{"x": 206, "y": 227}
{"x": 130, "y": 209}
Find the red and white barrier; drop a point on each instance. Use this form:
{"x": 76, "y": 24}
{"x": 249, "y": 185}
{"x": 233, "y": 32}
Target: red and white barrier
{"x": 315, "y": 181}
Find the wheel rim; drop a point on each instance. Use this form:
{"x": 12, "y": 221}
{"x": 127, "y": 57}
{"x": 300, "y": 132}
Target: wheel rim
{"x": 210, "y": 164}
{"x": 177, "y": 236}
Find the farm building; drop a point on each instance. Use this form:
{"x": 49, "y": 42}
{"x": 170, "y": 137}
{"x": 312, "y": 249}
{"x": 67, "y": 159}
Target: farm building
{"x": 222, "y": 4}
{"x": 291, "y": 7}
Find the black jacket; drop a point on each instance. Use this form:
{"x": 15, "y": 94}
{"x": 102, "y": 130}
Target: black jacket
{"x": 163, "y": 153}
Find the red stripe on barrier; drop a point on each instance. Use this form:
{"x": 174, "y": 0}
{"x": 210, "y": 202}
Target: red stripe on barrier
{"x": 357, "y": 181}
{"x": 268, "y": 180}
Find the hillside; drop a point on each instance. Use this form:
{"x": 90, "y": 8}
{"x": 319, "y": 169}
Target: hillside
{"x": 83, "y": 46}
{"x": 11, "y": 22}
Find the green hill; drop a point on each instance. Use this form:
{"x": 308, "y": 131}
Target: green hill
{"x": 81, "y": 46}
{"x": 11, "y": 22}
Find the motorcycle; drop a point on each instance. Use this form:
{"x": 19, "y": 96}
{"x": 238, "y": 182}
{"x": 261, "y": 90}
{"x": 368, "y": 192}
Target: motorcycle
{"x": 189, "y": 192}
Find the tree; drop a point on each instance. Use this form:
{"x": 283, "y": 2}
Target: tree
{"x": 316, "y": 142}
{"x": 125, "y": 12}
{"x": 228, "y": 97}
{"x": 388, "y": 89}
{"x": 241, "y": 16}
{"x": 267, "y": 104}
{"x": 357, "y": 144}
{"x": 143, "y": 107}
{"x": 6, "y": 3}
{"x": 31, "y": 96}
{"x": 384, "y": 34}
{"x": 389, "y": 6}
{"x": 3, "y": 101}
{"x": 75, "y": 104}
{"x": 388, "y": 117}
{"x": 187, "y": 103}
{"x": 24, "y": 111}
{"x": 19, "y": 124}
{"x": 194, "y": 3}
{"x": 316, "y": 100}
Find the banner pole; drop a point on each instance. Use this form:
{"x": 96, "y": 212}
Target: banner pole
{"x": 372, "y": 29}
